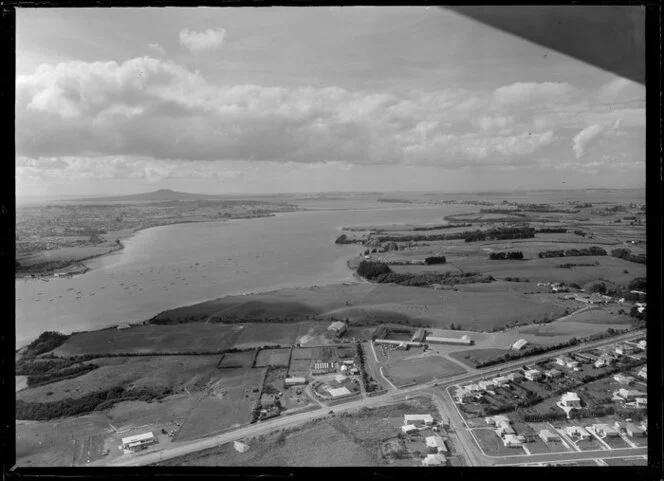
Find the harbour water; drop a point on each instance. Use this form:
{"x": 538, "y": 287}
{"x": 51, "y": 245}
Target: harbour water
{"x": 170, "y": 266}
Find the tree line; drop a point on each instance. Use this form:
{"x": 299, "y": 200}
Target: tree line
{"x": 500, "y": 256}
{"x": 626, "y": 254}
{"x": 590, "y": 251}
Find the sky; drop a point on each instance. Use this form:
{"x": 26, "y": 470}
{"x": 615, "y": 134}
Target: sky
{"x": 271, "y": 100}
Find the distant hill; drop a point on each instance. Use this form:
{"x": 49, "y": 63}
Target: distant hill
{"x": 161, "y": 195}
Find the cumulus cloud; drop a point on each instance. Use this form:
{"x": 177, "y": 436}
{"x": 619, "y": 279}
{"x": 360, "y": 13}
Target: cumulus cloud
{"x": 156, "y": 109}
{"x": 197, "y": 42}
{"x": 584, "y": 138}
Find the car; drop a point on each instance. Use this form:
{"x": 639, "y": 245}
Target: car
{"x": 331, "y": 413}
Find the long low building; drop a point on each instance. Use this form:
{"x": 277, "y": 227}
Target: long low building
{"x": 138, "y": 441}
{"x": 292, "y": 381}
{"x": 465, "y": 340}
{"x": 397, "y": 343}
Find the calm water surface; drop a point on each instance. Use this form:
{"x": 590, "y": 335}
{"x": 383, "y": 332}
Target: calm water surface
{"x": 170, "y": 266}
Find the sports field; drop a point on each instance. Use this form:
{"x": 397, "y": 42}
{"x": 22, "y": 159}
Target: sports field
{"x": 420, "y": 370}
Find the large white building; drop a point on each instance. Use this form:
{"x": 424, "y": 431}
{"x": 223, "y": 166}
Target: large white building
{"x": 436, "y": 442}
{"x": 292, "y": 381}
{"x": 339, "y": 392}
{"x": 425, "y": 419}
{"x": 464, "y": 340}
{"x": 434, "y": 460}
{"x": 337, "y": 328}
{"x": 533, "y": 375}
{"x": 138, "y": 441}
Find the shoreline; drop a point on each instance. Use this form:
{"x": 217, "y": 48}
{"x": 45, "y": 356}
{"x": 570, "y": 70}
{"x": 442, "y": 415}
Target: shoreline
{"x": 50, "y": 273}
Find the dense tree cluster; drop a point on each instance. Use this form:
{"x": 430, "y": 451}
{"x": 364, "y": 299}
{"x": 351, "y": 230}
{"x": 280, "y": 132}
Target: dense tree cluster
{"x": 500, "y": 256}
{"x": 94, "y": 401}
{"x": 590, "y": 251}
{"x": 372, "y": 269}
{"x": 580, "y": 233}
{"x": 569, "y": 265}
{"x": 47, "y": 341}
{"x": 551, "y": 230}
{"x": 430, "y": 278}
{"x": 639, "y": 284}
{"x": 435, "y": 260}
{"x": 501, "y": 233}
{"x": 626, "y": 254}
{"x": 445, "y": 226}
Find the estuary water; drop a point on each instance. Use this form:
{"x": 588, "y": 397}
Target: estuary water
{"x": 169, "y": 266}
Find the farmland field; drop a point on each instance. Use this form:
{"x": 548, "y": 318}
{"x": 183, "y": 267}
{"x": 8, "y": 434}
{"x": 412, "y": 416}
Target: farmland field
{"x": 322, "y": 353}
{"x": 142, "y": 371}
{"x": 273, "y": 357}
{"x": 237, "y": 359}
{"x": 299, "y": 367}
{"x": 475, "y": 356}
{"x": 150, "y": 339}
{"x": 275, "y": 334}
{"x": 421, "y": 370}
{"x": 227, "y": 403}
{"x": 638, "y": 461}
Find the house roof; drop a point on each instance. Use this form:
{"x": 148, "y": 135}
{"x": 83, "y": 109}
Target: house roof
{"x": 137, "y": 438}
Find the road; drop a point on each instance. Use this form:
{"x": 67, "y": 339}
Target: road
{"x": 252, "y": 430}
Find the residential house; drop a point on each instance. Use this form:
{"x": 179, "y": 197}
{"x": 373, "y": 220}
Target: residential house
{"x": 293, "y": 381}
{"x": 496, "y": 420}
{"x": 436, "y": 443}
{"x": 567, "y": 362}
{"x": 633, "y": 430}
{"x": 514, "y": 376}
{"x": 605, "y": 431}
{"x": 641, "y": 402}
{"x": 642, "y": 344}
{"x": 570, "y": 400}
{"x": 408, "y": 428}
{"x": 434, "y": 460}
{"x": 624, "y": 380}
{"x": 577, "y": 431}
{"x": 624, "y": 349}
{"x": 533, "y": 375}
{"x": 500, "y": 381}
{"x": 548, "y": 436}
{"x": 643, "y": 373}
{"x": 486, "y": 384}
{"x": 513, "y": 441}
{"x": 630, "y": 394}
{"x": 553, "y": 373}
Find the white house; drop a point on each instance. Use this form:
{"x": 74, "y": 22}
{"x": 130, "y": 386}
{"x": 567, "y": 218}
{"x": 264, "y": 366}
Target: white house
{"x": 605, "y": 431}
{"x": 533, "y": 375}
{"x": 642, "y": 344}
{"x": 622, "y": 379}
{"x": 514, "y": 376}
{"x": 339, "y": 392}
{"x": 547, "y": 436}
{"x": 570, "y": 400}
{"x": 408, "y": 428}
{"x": 552, "y": 373}
{"x": 496, "y": 420}
{"x": 630, "y": 394}
{"x": 437, "y": 443}
{"x": 500, "y": 381}
{"x": 486, "y": 383}
{"x": 643, "y": 373}
{"x": 513, "y": 441}
{"x": 634, "y": 431}
{"x": 624, "y": 349}
{"x": 577, "y": 431}
{"x": 434, "y": 460}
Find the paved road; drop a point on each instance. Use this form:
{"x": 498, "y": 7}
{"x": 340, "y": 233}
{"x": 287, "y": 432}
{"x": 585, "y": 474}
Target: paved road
{"x": 180, "y": 449}
{"x": 574, "y": 456}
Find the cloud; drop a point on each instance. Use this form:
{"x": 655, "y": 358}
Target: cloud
{"x": 157, "y": 48}
{"x": 584, "y": 138}
{"x": 148, "y": 108}
{"x": 197, "y": 42}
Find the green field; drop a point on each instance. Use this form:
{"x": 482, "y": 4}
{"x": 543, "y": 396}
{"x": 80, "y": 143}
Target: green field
{"x": 492, "y": 445}
{"x": 227, "y": 403}
{"x": 473, "y": 357}
{"x": 421, "y": 370}
{"x": 237, "y": 359}
{"x": 273, "y": 357}
{"x": 275, "y": 334}
{"x": 151, "y": 338}
{"x": 322, "y": 353}
{"x": 141, "y": 371}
